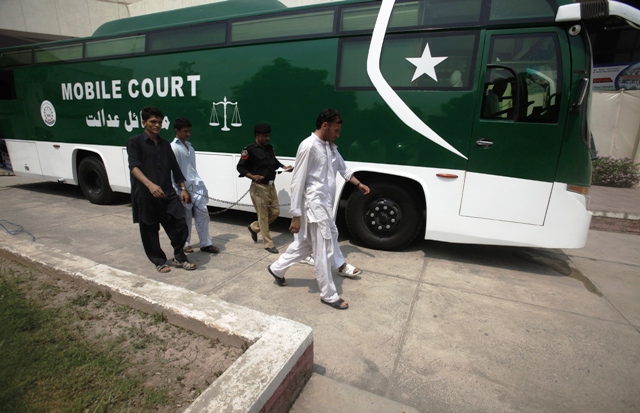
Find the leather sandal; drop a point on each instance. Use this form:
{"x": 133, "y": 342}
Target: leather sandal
{"x": 163, "y": 269}
{"x": 349, "y": 270}
{"x": 187, "y": 265}
{"x": 338, "y": 305}
{"x": 211, "y": 249}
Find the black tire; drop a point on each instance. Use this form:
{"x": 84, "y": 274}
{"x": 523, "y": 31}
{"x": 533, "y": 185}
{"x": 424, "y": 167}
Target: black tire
{"x": 94, "y": 181}
{"x": 388, "y": 218}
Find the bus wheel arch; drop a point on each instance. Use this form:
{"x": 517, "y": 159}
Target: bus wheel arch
{"x": 391, "y": 216}
{"x": 93, "y": 178}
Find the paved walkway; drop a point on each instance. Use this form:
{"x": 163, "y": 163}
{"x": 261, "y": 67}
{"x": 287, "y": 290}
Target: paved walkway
{"x": 604, "y": 198}
{"x": 437, "y": 327}
{"x": 615, "y": 209}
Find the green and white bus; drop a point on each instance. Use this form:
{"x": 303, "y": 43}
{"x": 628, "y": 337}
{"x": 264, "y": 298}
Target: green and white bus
{"x": 468, "y": 119}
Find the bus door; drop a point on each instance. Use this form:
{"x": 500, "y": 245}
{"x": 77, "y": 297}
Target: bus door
{"x": 518, "y": 127}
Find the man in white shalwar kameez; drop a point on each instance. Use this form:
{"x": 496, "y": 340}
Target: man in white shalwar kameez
{"x": 197, "y": 209}
{"x": 313, "y": 188}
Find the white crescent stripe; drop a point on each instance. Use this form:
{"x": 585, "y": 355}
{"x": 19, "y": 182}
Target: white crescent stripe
{"x": 388, "y": 94}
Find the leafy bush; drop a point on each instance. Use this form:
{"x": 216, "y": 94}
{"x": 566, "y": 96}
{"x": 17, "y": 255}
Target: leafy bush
{"x": 620, "y": 173}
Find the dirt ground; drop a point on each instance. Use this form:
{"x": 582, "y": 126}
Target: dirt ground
{"x": 163, "y": 355}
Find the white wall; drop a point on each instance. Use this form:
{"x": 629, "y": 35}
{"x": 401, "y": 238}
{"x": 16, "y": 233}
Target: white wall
{"x": 80, "y": 18}
{"x": 615, "y": 123}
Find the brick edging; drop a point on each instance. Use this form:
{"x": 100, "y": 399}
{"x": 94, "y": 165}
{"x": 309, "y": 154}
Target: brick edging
{"x": 616, "y": 224}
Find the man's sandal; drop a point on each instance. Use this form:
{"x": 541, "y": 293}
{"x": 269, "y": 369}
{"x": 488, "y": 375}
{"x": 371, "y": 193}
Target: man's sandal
{"x": 211, "y": 249}
{"x": 280, "y": 280}
{"x": 164, "y": 268}
{"x": 187, "y": 265}
{"x": 188, "y": 250}
{"x": 349, "y": 270}
{"x": 338, "y": 305}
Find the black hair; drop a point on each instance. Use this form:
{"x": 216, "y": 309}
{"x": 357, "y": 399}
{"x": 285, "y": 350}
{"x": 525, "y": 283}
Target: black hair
{"x": 330, "y": 116}
{"x": 180, "y": 123}
{"x": 149, "y": 111}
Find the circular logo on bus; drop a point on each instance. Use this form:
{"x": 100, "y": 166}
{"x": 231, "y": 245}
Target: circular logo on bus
{"x": 48, "y": 113}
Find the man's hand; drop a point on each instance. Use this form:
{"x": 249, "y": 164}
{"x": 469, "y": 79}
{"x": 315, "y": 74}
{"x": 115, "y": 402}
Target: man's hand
{"x": 185, "y": 196}
{"x": 287, "y": 168}
{"x": 363, "y": 188}
{"x": 256, "y": 178}
{"x": 155, "y": 190}
{"x": 295, "y": 225}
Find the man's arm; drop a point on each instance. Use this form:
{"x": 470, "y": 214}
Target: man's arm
{"x": 133, "y": 152}
{"x": 177, "y": 175}
{"x": 244, "y": 164}
{"x": 155, "y": 190}
{"x": 297, "y": 185}
{"x": 180, "y": 187}
{"x": 362, "y": 187}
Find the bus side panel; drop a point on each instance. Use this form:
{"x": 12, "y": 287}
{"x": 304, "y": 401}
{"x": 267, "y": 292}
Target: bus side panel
{"x": 24, "y": 158}
{"x": 58, "y": 162}
{"x": 566, "y": 225}
{"x": 55, "y": 160}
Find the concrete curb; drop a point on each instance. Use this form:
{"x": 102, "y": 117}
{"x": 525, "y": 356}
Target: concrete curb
{"x": 623, "y": 222}
{"x": 268, "y": 377}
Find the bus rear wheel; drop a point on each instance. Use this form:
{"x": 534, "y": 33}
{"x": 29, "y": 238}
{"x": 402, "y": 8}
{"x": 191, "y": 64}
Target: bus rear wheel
{"x": 94, "y": 181}
{"x": 388, "y": 218}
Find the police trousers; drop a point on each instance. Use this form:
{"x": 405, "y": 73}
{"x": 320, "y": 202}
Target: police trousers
{"x": 265, "y": 201}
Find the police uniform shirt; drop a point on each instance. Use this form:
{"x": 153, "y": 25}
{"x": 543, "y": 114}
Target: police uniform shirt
{"x": 259, "y": 160}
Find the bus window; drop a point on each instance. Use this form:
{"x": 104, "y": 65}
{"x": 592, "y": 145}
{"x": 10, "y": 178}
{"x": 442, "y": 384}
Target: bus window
{"x": 364, "y": 18}
{"x": 188, "y": 37}
{"x": 7, "y": 85}
{"x": 58, "y": 53}
{"x": 514, "y": 10}
{"x": 432, "y": 13}
{"x": 20, "y": 57}
{"x": 115, "y": 47}
{"x": 450, "y": 12}
{"x": 499, "y": 93}
{"x": 292, "y": 25}
{"x": 455, "y": 71}
{"x": 534, "y": 61}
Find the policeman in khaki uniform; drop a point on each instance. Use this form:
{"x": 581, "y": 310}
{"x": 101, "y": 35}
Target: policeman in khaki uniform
{"x": 259, "y": 163}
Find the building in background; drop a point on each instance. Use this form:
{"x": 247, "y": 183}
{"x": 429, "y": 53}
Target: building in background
{"x": 615, "y": 124}
{"x": 35, "y": 21}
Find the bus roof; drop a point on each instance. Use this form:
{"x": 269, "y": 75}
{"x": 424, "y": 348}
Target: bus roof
{"x": 206, "y": 12}
{"x": 197, "y": 14}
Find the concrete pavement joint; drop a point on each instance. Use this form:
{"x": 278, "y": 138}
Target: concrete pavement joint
{"x": 603, "y": 260}
{"x": 406, "y": 327}
{"x": 462, "y": 290}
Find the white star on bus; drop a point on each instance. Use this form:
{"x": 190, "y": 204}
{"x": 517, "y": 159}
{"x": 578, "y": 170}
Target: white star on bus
{"x": 426, "y": 64}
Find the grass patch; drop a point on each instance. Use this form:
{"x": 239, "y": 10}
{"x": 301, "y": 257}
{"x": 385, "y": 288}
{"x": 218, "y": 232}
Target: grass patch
{"x": 46, "y": 366}
{"x": 63, "y": 349}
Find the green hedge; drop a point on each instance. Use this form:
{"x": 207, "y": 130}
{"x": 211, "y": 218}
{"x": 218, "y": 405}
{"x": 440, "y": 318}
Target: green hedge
{"x": 620, "y": 173}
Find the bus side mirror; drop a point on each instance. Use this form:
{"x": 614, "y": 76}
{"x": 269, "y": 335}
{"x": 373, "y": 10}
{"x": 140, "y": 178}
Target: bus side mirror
{"x": 582, "y": 92}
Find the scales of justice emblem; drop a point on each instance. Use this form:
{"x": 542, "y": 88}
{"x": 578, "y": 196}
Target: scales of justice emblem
{"x": 235, "y": 118}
